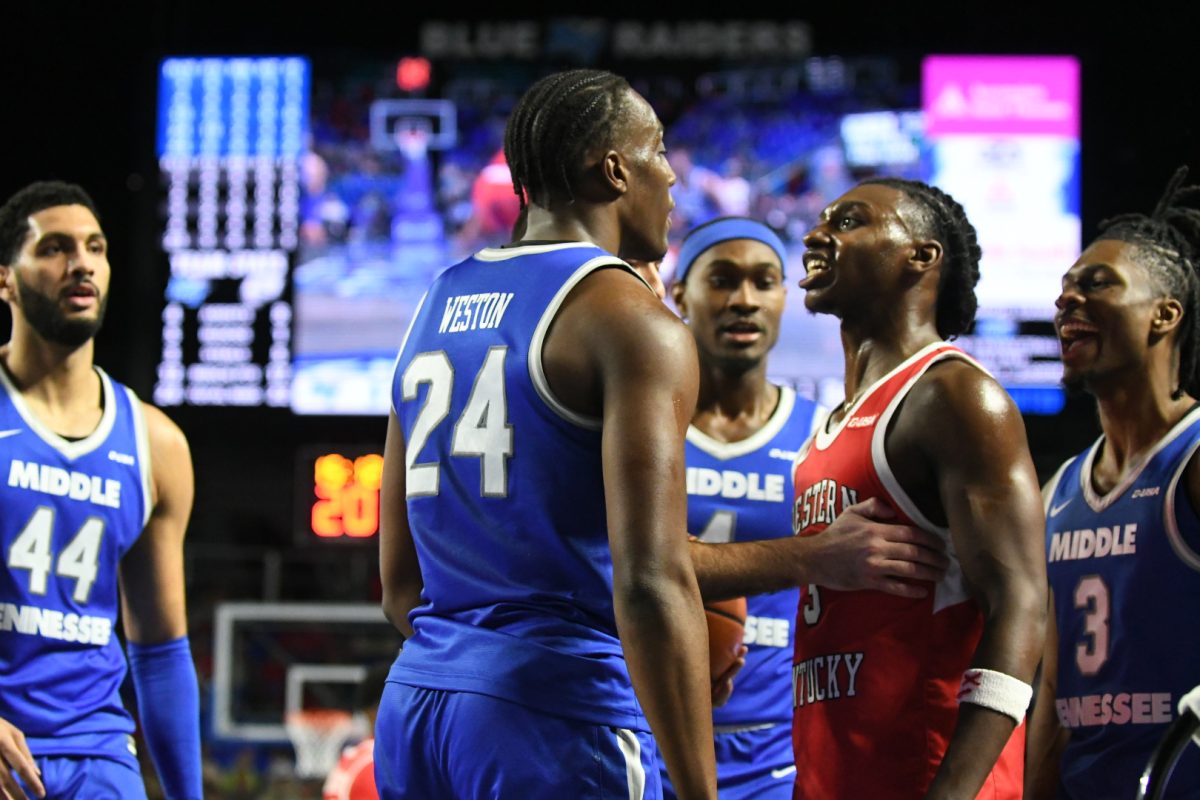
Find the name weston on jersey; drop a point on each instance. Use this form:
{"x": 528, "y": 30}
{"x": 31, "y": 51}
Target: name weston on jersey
{"x": 59, "y": 482}
{"x": 469, "y": 312}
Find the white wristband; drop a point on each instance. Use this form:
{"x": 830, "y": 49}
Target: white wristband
{"x": 997, "y": 691}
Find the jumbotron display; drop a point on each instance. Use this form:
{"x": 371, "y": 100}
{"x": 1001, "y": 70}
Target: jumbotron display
{"x": 308, "y": 208}
{"x": 231, "y": 132}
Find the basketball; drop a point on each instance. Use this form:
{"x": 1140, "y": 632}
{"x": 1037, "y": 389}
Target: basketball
{"x": 726, "y": 627}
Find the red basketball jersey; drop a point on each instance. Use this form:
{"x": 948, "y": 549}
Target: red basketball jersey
{"x": 875, "y": 677}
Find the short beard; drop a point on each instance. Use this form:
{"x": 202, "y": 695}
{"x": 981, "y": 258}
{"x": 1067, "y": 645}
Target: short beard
{"x": 43, "y": 314}
{"x": 1076, "y": 386}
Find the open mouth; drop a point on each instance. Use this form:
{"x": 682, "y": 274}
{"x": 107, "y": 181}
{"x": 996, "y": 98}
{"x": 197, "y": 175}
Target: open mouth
{"x": 817, "y": 271}
{"x": 1074, "y": 336}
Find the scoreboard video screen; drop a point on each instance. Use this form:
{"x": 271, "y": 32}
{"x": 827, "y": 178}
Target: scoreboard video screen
{"x": 231, "y": 133}
{"x": 307, "y": 208}
{"x": 306, "y": 211}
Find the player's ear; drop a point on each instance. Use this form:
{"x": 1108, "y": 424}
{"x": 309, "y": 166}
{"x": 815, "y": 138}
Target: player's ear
{"x": 614, "y": 172}
{"x": 677, "y": 298}
{"x": 1168, "y": 313}
{"x": 6, "y": 279}
{"x": 926, "y": 255}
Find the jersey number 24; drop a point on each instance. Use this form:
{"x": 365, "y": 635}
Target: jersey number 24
{"x": 482, "y": 430}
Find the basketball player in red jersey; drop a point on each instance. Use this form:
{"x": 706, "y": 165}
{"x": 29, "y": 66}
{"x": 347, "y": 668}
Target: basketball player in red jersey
{"x": 897, "y": 697}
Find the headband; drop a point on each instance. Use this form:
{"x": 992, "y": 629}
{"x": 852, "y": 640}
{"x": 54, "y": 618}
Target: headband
{"x": 723, "y": 230}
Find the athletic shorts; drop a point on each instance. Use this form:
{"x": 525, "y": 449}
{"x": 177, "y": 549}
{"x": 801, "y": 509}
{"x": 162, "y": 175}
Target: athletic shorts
{"x": 82, "y": 778}
{"x": 753, "y": 763}
{"x": 431, "y": 743}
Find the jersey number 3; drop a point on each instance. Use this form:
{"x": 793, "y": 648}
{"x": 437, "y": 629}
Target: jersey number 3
{"x": 1091, "y": 596}
{"x": 80, "y": 559}
{"x": 482, "y": 430}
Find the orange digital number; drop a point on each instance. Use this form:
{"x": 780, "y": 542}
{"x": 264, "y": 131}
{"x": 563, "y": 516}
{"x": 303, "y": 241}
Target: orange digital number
{"x": 347, "y": 496}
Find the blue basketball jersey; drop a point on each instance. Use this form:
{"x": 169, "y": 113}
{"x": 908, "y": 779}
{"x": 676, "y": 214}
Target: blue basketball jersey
{"x": 506, "y": 496}
{"x": 1125, "y": 571}
{"x": 741, "y": 491}
{"x": 69, "y": 512}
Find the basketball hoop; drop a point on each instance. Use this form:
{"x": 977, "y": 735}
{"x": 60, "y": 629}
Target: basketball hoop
{"x": 317, "y": 735}
{"x": 411, "y": 136}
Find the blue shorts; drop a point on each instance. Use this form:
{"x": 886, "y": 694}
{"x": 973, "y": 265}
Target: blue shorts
{"x": 83, "y": 778}
{"x": 756, "y": 763}
{"x": 431, "y": 743}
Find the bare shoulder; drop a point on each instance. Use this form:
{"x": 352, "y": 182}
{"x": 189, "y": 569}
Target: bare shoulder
{"x": 618, "y": 297}
{"x": 968, "y": 409}
{"x": 166, "y": 438}
{"x": 612, "y": 334}
{"x": 171, "y": 478}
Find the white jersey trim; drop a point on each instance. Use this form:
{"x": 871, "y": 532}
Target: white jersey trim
{"x": 142, "y": 438}
{"x": 505, "y": 253}
{"x": 951, "y": 589}
{"x": 537, "y": 373}
{"x": 68, "y": 448}
{"x": 820, "y": 417}
{"x": 825, "y": 437}
{"x": 760, "y": 438}
{"x": 1186, "y": 554}
{"x": 1100, "y": 503}
{"x": 635, "y": 773}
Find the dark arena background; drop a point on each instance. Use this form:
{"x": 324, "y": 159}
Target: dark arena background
{"x": 263, "y": 274}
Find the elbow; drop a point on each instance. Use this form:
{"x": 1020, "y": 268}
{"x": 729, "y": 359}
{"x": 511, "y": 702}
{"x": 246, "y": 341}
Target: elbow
{"x": 1022, "y": 602}
{"x": 1020, "y": 609}
{"x": 653, "y": 593}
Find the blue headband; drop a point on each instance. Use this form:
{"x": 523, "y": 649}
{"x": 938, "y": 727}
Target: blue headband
{"x": 723, "y": 230}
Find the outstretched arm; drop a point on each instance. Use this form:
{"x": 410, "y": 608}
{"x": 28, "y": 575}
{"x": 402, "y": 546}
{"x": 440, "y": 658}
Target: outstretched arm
{"x": 860, "y": 550}
{"x": 155, "y": 616}
{"x": 987, "y": 486}
{"x": 398, "y": 567}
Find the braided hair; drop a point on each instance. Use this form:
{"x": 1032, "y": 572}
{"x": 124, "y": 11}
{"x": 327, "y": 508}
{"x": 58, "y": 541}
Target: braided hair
{"x": 553, "y": 126}
{"x": 1168, "y": 248}
{"x": 943, "y": 218}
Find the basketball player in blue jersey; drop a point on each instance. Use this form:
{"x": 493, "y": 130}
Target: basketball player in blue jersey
{"x": 533, "y": 502}
{"x": 95, "y": 493}
{"x": 1122, "y": 531}
{"x": 740, "y": 446}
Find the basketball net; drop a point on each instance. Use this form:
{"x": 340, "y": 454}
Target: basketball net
{"x": 317, "y": 735}
{"x": 412, "y": 139}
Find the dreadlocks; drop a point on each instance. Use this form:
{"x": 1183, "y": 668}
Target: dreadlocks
{"x": 552, "y": 127}
{"x": 1168, "y": 246}
{"x": 944, "y": 219}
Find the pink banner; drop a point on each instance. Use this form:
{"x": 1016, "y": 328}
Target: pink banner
{"x": 1001, "y": 95}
